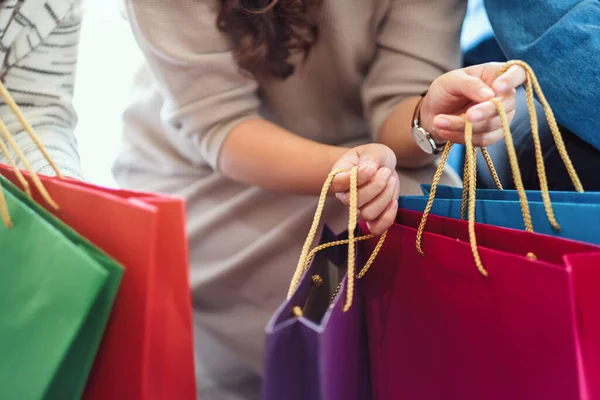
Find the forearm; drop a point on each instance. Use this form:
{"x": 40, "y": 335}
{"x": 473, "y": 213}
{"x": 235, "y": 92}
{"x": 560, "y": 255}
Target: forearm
{"x": 260, "y": 153}
{"x": 60, "y": 145}
{"x": 395, "y": 133}
{"x": 41, "y": 84}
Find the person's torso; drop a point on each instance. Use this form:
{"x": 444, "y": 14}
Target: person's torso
{"x": 321, "y": 101}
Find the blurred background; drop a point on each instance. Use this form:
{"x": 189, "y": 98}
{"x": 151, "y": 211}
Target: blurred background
{"x": 108, "y": 59}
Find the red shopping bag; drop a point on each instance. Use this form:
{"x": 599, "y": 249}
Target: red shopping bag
{"x": 147, "y": 350}
{"x": 438, "y": 329}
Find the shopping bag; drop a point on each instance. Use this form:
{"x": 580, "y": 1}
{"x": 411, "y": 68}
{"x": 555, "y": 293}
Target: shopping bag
{"x": 453, "y": 192}
{"x": 438, "y": 329}
{"x": 149, "y": 338}
{"x": 56, "y": 294}
{"x": 316, "y": 343}
{"x": 147, "y": 350}
{"x": 570, "y": 210}
{"x": 483, "y": 311}
{"x": 321, "y": 355}
{"x": 502, "y": 208}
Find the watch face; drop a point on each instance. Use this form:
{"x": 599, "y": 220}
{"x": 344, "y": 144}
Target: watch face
{"x": 422, "y": 140}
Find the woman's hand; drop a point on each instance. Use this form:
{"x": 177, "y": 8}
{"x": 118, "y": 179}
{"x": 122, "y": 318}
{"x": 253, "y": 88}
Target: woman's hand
{"x": 378, "y": 184}
{"x": 469, "y": 91}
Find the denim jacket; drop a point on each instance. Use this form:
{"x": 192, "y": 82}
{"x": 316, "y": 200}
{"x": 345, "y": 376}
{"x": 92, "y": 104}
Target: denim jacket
{"x": 560, "y": 39}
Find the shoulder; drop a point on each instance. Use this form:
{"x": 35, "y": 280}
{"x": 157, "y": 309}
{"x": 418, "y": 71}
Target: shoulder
{"x": 43, "y": 16}
{"x": 29, "y": 23}
{"x": 177, "y": 29}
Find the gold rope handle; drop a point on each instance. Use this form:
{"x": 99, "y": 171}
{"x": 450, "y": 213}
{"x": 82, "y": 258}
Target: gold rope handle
{"x": 533, "y": 83}
{"x": 490, "y": 165}
{"x": 307, "y": 255}
{"x": 34, "y": 177}
{"x": 514, "y": 165}
{"x": 471, "y": 175}
{"x": 3, "y": 148}
{"x": 470, "y": 183}
{"x": 436, "y": 179}
{"x": 465, "y": 190}
{"x": 466, "y": 183}
{"x": 4, "y": 213}
{"x": 3, "y": 205}
{"x": 470, "y": 166}
{"x": 12, "y": 104}
{"x": 13, "y": 165}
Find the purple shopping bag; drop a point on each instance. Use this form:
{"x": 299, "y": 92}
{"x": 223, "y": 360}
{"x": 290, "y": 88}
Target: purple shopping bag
{"x": 321, "y": 355}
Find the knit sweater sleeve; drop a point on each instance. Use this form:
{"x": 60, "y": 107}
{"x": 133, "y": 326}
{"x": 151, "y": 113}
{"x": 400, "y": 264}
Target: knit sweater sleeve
{"x": 205, "y": 92}
{"x": 419, "y": 40}
{"x": 41, "y": 82}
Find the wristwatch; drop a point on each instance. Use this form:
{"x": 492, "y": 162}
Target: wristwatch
{"x": 423, "y": 138}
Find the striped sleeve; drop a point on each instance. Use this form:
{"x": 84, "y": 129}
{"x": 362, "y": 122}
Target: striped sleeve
{"x": 41, "y": 83}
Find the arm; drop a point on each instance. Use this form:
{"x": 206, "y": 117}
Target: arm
{"x": 41, "y": 83}
{"x": 419, "y": 41}
{"x": 266, "y": 155}
{"x": 216, "y": 105}
{"x": 561, "y": 42}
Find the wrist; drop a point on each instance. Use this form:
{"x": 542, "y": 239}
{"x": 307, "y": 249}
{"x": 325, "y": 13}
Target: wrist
{"x": 335, "y": 153}
{"x": 426, "y": 118}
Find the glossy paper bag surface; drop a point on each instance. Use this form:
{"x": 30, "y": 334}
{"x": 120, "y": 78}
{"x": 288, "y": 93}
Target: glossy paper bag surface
{"x": 439, "y": 329}
{"x": 57, "y": 290}
{"x": 323, "y": 354}
{"x": 149, "y": 336}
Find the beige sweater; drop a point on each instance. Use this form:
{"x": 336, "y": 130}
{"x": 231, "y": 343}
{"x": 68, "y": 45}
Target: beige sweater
{"x": 244, "y": 241}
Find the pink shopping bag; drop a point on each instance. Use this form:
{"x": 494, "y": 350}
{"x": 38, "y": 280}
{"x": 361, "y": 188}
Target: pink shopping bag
{"x": 438, "y": 329}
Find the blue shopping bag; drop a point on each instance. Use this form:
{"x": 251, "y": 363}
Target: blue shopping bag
{"x": 577, "y": 213}
{"x": 453, "y": 192}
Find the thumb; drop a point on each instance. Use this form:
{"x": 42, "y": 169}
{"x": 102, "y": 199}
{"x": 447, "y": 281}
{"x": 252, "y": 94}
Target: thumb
{"x": 368, "y": 158}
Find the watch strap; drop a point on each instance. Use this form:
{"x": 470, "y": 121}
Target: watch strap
{"x": 416, "y": 124}
{"x": 416, "y": 120}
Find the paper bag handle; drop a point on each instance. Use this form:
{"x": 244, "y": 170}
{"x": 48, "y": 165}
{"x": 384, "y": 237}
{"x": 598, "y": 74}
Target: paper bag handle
{"x": 4, "y": 213}
{"x": 307, "y": 255}
{"x": 531, "y": 83}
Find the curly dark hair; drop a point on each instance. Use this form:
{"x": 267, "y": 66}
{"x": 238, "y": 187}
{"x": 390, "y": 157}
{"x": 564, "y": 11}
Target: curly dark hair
{"x": 266, "y": 33}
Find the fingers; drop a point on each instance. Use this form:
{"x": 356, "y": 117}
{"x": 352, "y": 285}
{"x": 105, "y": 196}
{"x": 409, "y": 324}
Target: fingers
{"x": 480, "y": 140}
{"x": 479, "y": 115}
{"x": 378, "y": 210}
{"x": 373, "y": 209}
{"x": 484, "y": 134}
{"x": 370, "y": 158}
{"x": 487, "y": 110}
{"x": 381, "y": 212}
{"x": 484, "y": 118}
{"x": 377, "y": 181}
{"x": 461, "y": 84}
{"x": 341, "y": 182}
{"x": 385, "y": 220}
{"x": 370, "y": 190}
{"x": 513, "y": 77}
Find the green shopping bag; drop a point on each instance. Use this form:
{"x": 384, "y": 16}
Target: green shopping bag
{"x": 56, "y": 294}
